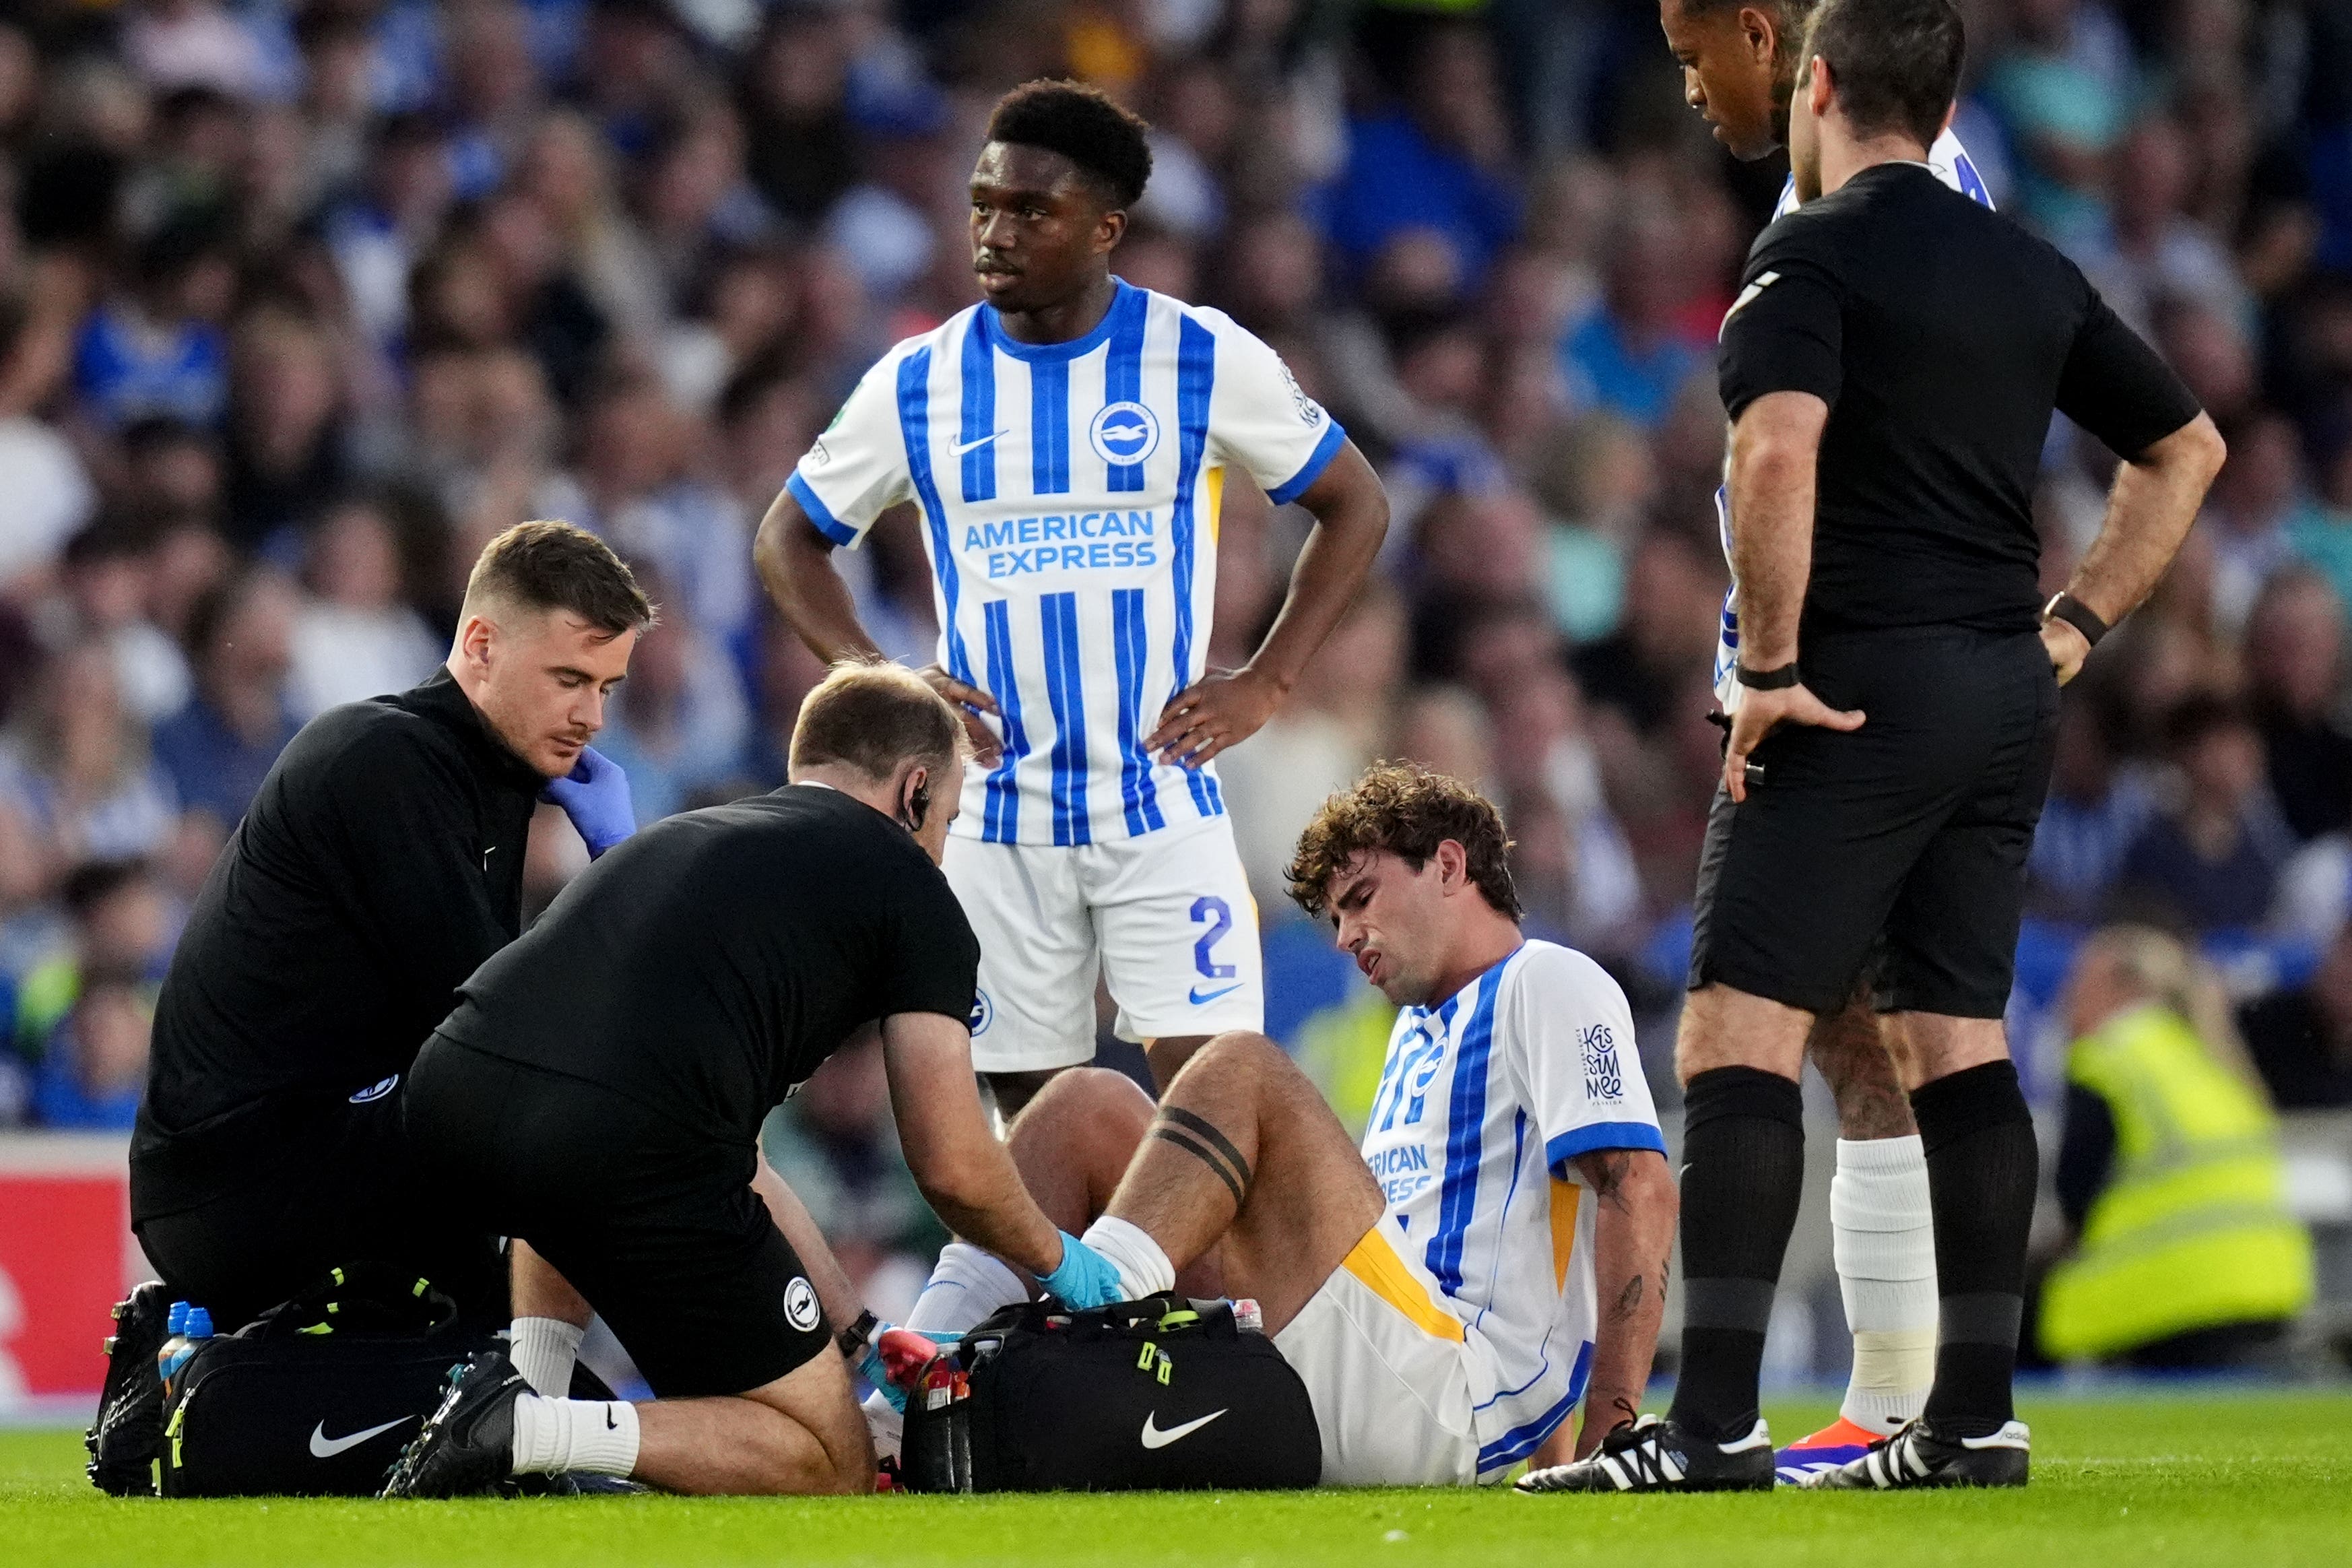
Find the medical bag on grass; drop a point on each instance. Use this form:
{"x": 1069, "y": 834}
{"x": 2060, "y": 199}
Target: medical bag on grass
{"x": 1160, "y": 1394}
{"x": 316, "y": 1397}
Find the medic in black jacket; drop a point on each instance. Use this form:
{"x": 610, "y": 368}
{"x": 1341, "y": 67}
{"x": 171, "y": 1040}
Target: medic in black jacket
{"x": 380, "y": 864}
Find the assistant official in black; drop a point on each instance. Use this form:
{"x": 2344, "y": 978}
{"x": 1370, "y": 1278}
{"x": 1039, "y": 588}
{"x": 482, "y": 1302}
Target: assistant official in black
{"x": 598, "y": 1093}
{"x": 1891, "y": 366}
{"x": 381, "y": 862}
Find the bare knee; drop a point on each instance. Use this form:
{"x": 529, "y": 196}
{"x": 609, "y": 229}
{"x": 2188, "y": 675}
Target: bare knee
{"x": 1077, "y": 1098}
{"x": 1074, "y": 1139}
{"x": 1238, "y": 1056}
{"x": 831, "y": 1457}
{"x": 1724, "y": 1027}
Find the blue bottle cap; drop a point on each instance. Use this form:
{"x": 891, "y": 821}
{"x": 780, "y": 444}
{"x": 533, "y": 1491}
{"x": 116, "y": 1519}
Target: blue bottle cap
{"x": 177, "y": 1321}
{"x": 200, "y": 1323}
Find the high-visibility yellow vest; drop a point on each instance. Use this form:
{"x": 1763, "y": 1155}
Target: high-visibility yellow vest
{"x": 2193, "y": 1229}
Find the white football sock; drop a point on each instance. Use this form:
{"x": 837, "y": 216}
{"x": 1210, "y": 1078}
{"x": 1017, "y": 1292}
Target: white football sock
{"x": 553, "y": 1435}
{"x": 1885, "y": 1242}
{"x": 966, "y": 1285}
{"x": 1143, "y": 1267}
{"x": 542, "y": 1350}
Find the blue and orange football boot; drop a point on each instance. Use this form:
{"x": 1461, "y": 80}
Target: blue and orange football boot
{"x": 1840, "y": 1443}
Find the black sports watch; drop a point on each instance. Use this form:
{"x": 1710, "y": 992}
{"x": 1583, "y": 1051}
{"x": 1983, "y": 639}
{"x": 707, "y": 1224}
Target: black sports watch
{"x": 2064, "y": 606}
{"x": 853, "y": 1340}
{"x": 1769, "y": 680}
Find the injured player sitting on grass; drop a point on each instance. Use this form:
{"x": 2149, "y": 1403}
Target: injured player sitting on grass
{"x": 1509, "y": 1260}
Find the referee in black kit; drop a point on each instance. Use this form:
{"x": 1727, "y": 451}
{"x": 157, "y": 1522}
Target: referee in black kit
{"x": 1890, "y": 367}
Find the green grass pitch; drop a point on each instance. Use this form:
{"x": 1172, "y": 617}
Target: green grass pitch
{"x": 2118, "y": 1483}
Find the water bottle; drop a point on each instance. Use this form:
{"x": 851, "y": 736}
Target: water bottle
{"x": 197, "y": 1328}
{"x": 173, "y": 1351}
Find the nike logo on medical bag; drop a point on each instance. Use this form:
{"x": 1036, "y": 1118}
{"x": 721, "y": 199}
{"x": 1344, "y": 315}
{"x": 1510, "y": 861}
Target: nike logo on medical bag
{"x": 975, "y": 444}
{"x": 1153, "y": 1437}
{"x": 1199, "y": 1000}
{"x": 325, "y": 1447}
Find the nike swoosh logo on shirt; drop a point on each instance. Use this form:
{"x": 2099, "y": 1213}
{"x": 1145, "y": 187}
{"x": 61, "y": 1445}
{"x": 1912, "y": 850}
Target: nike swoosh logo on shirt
{"x": 1745, "y": 295}
{"x": 1198, "y": 999}
{"x": 325, "y": 1447}
{"x": 975, "y": 444}
{"x": 1153, "y": 1437}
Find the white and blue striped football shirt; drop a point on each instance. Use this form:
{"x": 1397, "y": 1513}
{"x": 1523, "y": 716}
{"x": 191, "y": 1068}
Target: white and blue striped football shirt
{"x": 1069, "y": 496}
{"x": 1952, "y": 165}
{"x": 1482, "y": 1101}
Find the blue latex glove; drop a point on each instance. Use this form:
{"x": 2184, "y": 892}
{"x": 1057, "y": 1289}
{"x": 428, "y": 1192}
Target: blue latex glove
{"x": 1084, "y": 1277}
{"x": 595, "y": 796}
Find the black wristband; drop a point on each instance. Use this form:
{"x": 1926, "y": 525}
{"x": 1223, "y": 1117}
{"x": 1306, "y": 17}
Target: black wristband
{"x": 852, "y": 1338}
{"x": 1769, "y": 680}
{"x": 2064, "y": 606}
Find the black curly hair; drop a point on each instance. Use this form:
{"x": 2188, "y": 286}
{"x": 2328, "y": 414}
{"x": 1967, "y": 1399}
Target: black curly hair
{"x": 1105, "y": 140}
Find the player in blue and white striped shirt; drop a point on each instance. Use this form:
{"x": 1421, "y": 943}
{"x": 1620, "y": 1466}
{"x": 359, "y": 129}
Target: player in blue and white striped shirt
{"x": 1067, "y": 443}
{"x": 1494, "y": 1252}
{"x": 1740, "y": 63}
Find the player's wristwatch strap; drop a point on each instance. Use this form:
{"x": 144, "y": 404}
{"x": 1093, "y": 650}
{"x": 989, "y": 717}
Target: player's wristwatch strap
{"x": 2065, "y": 608}
{"x": 1769, "y": 680}
{"x": 852, "y": 1338}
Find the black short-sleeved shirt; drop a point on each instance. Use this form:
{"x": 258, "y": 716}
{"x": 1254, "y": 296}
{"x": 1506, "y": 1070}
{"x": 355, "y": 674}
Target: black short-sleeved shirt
{"x": 1942, "y": 336}
{"x": 381, "y": 861}
{"x": 705, "y": 968}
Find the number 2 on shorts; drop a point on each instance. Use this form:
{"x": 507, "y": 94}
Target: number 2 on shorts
{"x": 1220, "y": 916}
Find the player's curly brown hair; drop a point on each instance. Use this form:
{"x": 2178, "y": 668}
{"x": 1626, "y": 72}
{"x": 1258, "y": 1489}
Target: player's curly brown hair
{"x": 1407, "y": 810}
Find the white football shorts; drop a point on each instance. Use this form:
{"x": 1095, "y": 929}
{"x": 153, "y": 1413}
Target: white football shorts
{"x": 1166, "y": 918}
{"x": 1394, "y": 1376}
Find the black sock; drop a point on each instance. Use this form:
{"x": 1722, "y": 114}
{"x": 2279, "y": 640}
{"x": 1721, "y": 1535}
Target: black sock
{"x": 1743, "y": 1171}
{"x": 1982, "y": 1167}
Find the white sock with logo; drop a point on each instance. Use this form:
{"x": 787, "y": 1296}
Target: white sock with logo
{"x": 966, "y": 1285}
{"x": 553, "y": 1435}
{"x": 542, "y": 1350}
{"x": 1884, "y": 1239}
{"x": 1143, "y": 1267}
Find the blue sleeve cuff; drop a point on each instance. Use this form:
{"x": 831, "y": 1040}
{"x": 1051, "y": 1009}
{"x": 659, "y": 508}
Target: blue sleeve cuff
{"x": 832, "y": 526}
{"x": 1319, "y": 459}
{"x": 1602, "y": 1135}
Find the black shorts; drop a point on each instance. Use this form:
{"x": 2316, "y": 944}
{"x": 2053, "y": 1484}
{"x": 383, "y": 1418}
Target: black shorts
{"x": 255, "y": 1208}
{"x": 656, "y": 1224}
{"x": 1914, "y": 826}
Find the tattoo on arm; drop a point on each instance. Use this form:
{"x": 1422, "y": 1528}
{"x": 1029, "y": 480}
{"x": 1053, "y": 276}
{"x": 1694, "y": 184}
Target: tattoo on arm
{"x": 1605, "y": 1171}
{"x": 1629, "y": 1300}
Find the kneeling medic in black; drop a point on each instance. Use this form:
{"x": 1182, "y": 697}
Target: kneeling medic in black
{"x": 598, "y": 1092}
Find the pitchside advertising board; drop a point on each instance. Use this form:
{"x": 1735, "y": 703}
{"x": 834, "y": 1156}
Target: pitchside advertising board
{"x": 66, "y": 1255}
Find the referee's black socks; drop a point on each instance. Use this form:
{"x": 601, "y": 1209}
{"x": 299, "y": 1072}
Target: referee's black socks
{"x": 1743, "y": 1171}
{"x": 1982, "y": 1166}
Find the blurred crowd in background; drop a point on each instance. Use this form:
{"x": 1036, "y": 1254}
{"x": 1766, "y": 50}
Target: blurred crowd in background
{"x": 302, "y": 300}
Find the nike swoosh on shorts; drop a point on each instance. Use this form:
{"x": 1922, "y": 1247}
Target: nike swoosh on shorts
{"x": 1199, "y": 1000}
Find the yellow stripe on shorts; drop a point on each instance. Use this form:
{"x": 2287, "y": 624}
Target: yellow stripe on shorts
{"x": 1375, "y": 1262}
